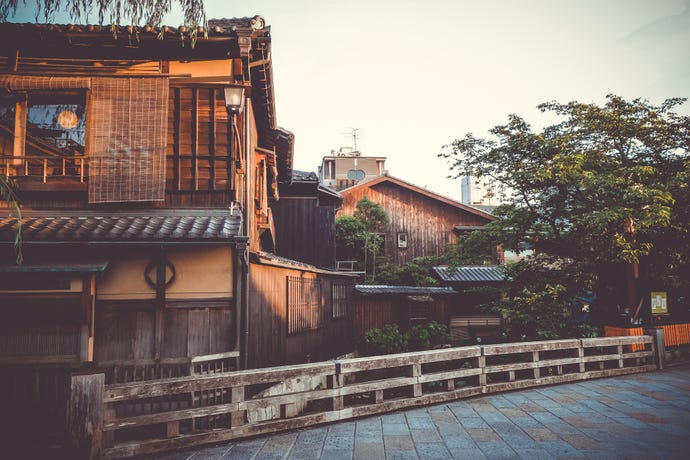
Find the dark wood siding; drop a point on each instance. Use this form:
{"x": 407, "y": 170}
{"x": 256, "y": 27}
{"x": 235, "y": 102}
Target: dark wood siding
{"x": 305, "y": 231}
{"x": 429, "y": 223}
{"x": 126, "y": 331}
{"x": 269, "y": 341}
{"x": 375, "y": 311}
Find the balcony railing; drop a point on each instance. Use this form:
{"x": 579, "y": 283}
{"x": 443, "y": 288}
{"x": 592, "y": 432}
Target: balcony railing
{"x": 44, "y": 168}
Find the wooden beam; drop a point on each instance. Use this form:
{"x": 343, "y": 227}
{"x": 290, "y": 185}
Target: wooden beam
{"x": 212, "y": 140}
{"x": 195, "y": 139}
{"x": 177, "y": 169}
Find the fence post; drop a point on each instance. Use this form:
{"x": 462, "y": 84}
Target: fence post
{"x": 658, "y": 334}
{"x": 85, "y": 416}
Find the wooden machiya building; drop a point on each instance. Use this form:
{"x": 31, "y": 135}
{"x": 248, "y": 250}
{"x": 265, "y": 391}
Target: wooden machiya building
{"x": 145, "y": 163}
{"x": 422, "y": 223}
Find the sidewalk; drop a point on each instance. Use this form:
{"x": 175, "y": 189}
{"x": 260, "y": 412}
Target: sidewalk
{"x": 630, "y": 417}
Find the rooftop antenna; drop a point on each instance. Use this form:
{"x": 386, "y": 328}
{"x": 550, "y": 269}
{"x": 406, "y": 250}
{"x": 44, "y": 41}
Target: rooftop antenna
{"x": 355, "y": 133}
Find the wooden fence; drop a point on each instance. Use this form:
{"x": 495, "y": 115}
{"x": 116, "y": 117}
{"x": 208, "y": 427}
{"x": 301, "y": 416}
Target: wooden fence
{"x": 674, "y": 334}
{"x": 144, "y": 417}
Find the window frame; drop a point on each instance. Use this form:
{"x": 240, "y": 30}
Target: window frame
{"x": 341, "y": 299}
{"x": 22, "y": 106}
{"x": 304, "y": 309}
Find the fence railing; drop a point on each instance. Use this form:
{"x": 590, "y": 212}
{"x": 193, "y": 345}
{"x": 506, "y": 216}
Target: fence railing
{"x": 145, "y": 417}
{"x": 43, "y": 167}
{"x": 126, "y": 371}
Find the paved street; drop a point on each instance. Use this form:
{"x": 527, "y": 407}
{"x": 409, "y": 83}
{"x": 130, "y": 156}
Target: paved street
{"x": 643, "y": 416}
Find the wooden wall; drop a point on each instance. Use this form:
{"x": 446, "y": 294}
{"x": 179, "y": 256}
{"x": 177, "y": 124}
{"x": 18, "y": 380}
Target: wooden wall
{"x": 429, "y": 223}
{"x": 127, "y": 331}
{"x": 305, "y": 231}
{"x": 375, "y": 311}
{"x": 269, "y": 342}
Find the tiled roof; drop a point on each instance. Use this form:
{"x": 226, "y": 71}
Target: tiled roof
{"x": 216, "y": 28}
{"x": 471, "y": 274}
{"x": 124, "y": 226}
{"x": 407, "y": 290}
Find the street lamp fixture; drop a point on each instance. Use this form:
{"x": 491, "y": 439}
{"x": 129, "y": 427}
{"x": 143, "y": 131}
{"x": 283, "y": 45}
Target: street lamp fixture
{"x": 234, "y": 99}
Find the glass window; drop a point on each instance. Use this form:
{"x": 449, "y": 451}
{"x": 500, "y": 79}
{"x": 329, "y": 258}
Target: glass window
{"x": 356, "y": 174}
{"x": 56, "y": 122}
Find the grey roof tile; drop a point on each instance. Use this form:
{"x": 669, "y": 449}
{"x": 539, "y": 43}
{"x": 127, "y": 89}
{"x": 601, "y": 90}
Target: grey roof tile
{"x": 471, "y": 274}
{"x": 123, "y": 226}
{"x": 407, "y": 290}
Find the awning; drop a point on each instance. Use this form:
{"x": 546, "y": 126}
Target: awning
{"x": 98, "y": 266}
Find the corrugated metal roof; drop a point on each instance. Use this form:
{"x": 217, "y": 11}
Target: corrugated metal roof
{"x": 119, "y": 227}
{"x": 407, "y": 290}
{"x": 471, "y": 274}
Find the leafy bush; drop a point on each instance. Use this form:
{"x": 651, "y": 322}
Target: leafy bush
{"x": 428, "y": 335}
{"x": 384, "y": 341}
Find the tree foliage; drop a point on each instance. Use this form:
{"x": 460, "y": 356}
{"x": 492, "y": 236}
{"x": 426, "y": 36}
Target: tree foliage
{"x": 7, "y": 195}
{"x": 606, "y": 185}
{"x": 357, "y": 236}
{"x": 134, "y": 12}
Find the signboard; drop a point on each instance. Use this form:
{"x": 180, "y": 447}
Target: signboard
{"x": 659, "y": 303}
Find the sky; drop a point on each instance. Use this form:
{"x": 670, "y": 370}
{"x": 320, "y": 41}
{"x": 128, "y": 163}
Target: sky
{"x": 411, "y": 76}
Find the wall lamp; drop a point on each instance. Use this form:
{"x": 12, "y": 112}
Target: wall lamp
{"x": 234, "y": 99}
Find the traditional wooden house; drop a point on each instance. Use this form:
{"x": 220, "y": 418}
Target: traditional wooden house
{"x": 422, "y": 223}
{"x": 305, "y": 220}
{"x": 145, "y": 163}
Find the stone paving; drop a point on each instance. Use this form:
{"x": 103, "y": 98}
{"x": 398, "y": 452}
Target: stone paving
{"x": 642, "y": 416}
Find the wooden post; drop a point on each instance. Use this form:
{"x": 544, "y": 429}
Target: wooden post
{"x": 481, "y": 364}
{"x": 581, "y": 355}
{"x": 658, "y": 345}
{"x": 415, "y": 370}
{"x": 85, "y": 416}
{"x": 620, "y": 356}
{"x": 336, "y": 381}
{"x": 237, "y": 418}
{"x": 535, "y": 359}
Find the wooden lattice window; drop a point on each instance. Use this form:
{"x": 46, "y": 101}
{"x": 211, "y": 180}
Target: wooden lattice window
{"x": 304, "y": 312}
{"x": 341, "y": 299}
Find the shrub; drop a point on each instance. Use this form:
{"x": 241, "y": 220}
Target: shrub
{"x": 384, "y": 341}
{"x": 428, "y": 335}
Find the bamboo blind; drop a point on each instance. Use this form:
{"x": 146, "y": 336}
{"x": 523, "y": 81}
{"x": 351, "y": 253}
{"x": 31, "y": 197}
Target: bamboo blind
{"x": 31, "y": 82}
{"x": 127, "y": 138}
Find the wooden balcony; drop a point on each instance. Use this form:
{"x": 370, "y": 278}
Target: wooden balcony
{"x": 43, "y": 173}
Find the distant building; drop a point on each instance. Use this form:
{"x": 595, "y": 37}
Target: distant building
{"x": 477, "y": 192}
{"x": 422, "y": 223}
{"x": 347, "y": 167}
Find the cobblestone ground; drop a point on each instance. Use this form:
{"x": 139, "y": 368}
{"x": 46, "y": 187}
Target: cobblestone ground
{"x": 643, "y": 416}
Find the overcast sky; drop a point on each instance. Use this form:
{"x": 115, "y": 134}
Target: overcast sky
{"x": 413, "y": 75}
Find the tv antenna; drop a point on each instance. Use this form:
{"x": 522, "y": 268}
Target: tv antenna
{"x": 355, "y": 133}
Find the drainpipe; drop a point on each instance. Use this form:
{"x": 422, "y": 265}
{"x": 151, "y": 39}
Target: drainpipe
{"x": 242, "y": 300}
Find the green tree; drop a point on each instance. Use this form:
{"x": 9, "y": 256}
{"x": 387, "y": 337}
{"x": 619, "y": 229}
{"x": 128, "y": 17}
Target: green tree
{"x": 134, "y": 12}
{"x": 358, "y": 236}
{"x": 605, "y": 186}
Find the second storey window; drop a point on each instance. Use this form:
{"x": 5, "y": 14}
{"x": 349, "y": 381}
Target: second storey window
{"x": 56, "y": 122}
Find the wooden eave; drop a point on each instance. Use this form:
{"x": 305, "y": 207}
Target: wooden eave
{"x": 105, "y": 42}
